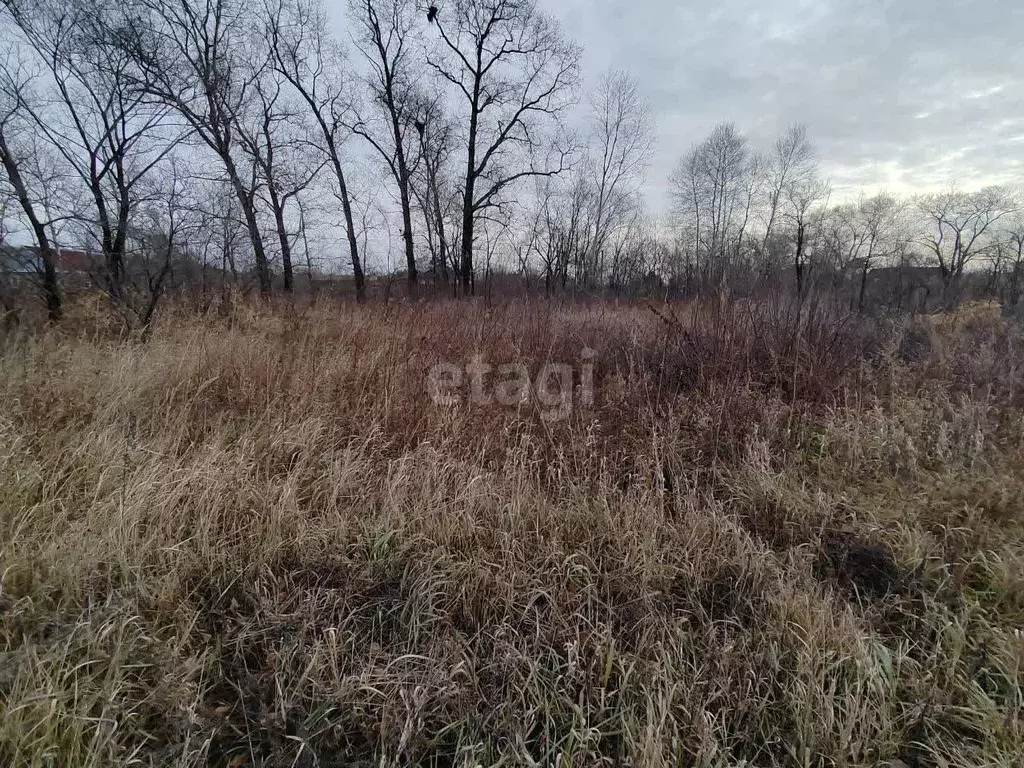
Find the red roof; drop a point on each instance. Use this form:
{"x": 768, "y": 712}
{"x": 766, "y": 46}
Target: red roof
{"x": 72, "y": 259}
{"x": 68, "y": 259}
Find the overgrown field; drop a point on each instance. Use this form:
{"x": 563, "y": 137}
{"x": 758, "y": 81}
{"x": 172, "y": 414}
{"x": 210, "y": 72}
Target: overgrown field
{"x": 254, "y": 539}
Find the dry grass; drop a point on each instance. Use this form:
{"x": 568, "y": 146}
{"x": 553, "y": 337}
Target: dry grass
{"x": 254, "y": 540}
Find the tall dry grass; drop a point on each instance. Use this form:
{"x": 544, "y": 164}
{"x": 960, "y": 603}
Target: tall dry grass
{"x": 773, "y": 539}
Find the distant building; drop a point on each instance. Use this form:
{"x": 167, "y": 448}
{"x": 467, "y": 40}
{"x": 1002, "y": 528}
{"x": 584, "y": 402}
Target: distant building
{"x": 27, "y": 261}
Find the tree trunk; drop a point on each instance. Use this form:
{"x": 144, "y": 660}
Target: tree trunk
{"x": 949, "y": 288}
{"x": 262, "y": 265}
{"x": 110, "y": 263}
{"x": 282, "y": 237}
{"x": 435, "y": 199}
{"x": 121, "y": 237}
{"x": 467, "y": 237}
{"x": 403, "y": 193}
{"x": 863, "y": 288}
{"x": 248, "y": 211}
{"x": 51, "y": 290}
{"x": 410, "y": 254}
{"x": 113, "y": 238}
{"x": 799, "y": 262}
{"x": 468, "y": 218}
{"x": 350, "y": 231}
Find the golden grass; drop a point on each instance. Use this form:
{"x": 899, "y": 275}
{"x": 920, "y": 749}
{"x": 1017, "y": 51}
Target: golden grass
{"x": 254, "y": 540}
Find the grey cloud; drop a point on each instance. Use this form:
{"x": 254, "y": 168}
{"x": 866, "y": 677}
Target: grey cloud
{"x": 906, "y": 94}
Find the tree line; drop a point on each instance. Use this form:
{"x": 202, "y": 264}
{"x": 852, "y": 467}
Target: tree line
{"x": 250, "y": 140}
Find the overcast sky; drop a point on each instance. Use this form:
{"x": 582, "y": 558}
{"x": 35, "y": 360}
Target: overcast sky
{"x": 907, "y": 95}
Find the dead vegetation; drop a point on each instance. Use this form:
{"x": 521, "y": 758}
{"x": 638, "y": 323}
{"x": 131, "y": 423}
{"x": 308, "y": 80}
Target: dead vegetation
{"x": 253, "y": 540}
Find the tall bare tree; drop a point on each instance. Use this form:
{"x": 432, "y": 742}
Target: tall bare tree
{"x": 879, "y": 219}
{"x": 13, "y": 161}
{"x": 204, "y": 59}
{"x": 306, "y": 56}
{"x": 92, "y": 113}
{"x": 622, "y": 139}
{"x": 274, "y": 137}
{"x": 160, "y": 232}
{"x": 516, "y": 75}
{"x": 385, "y": 29}
{"x": 957, "y": 228}
{"x": 433, "y": 192}
{"x": 806, "y": 200}
{"x": 1012, "y": 241}
{"x": 792, "y": 158}
{"x": 858, "y": 235}
{"x": 712, "y": 191}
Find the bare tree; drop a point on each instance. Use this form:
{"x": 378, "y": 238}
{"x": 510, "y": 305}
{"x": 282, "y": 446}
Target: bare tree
{"x": 1010, "y": 242}
{"x": 564, "y": 246}
{"x": 622, "y": 136}
{"x": 686, "y": 195}
{"x": 792, "y": 158}
{"x": 274, "y": 138}
{"x": 712, "y": 189}
{"x": 12, "y": 162}
{"x": 879, "y": 218}
{"x": 304, "y": 54}
{"x": 204, "y": 59}
{"x": 161, "y": 234}
{"x": 957, "y": 228}
{"x": 806, "y": 197}
{"x": 224, "y": 229}
{"x": 517, "y": 75}
{"x": 433, "y": 190}
{"x": 93, "y": 114}
{"x": 843, "y": 241}
{"x": 858, "y": 235}
{"x": 629, "y": 246}
{"x": 385, "y": 28}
